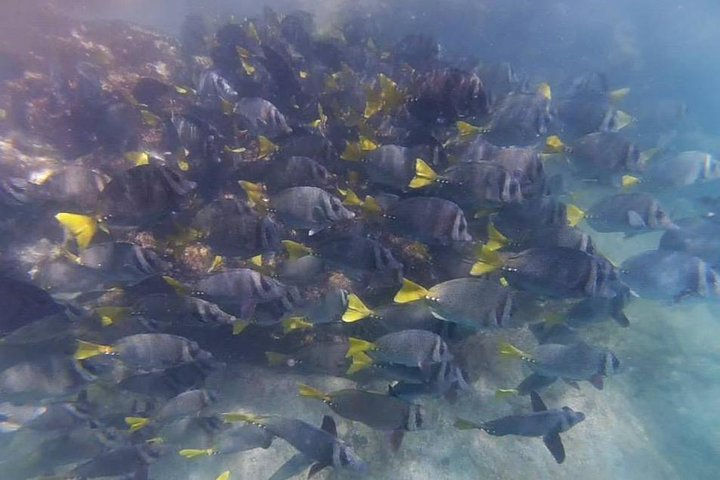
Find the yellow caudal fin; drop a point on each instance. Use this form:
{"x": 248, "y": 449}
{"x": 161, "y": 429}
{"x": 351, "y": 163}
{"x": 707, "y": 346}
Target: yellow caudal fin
{"x": 356, "y": 310}
{"x": 629, "y": 181}
{"x": 82, "y": 227}
{"x": 367, "y": 145}
{"x": 424, "y": 175}
{"x": 553, "y": 144}
{"x": 239, "y": 326}
{"x": 496, "y": 240}
{"x": 111, "y": 315}
{"x": 622, "y": 119}
{"x": 295, "y": 250}
{"x": 574, "y": 214}
{"x": 619, "y": 94}
{"x": 191, "y": 453}
{"x": 136, "y": 423}
{"x": 254, "y": 191}
{"x": 217, "y": 263}
{"x": 410, "y": 292}
{"x": 360, "y": 361}
{"x": 87, "y": 350}
{"x": 276, "y": 359}
{"x": 462, "y": 424}
{"x": 374, "y": 102}
{"x": 392, "y": 96}
{"x": 224, "y": 475}
{"x": 545, "y": 91}
{"x": 137, "y": 158}
{"x": 350, "y": 198}
{"x": 502, "y": 393}
{"x": 357, "y": 346}
{"x": 233, "y": 417}
{"x": 352, "y": 152}
{"x": 308, "y": 391}
{"x": 466, "y": 129}
{"x": 371, "y": 207}
{"x": 647, "y": 155}
{"x": 295, "y": 323}
{"x": 175, "y": 284}
{"x": 488, "y": 261}
{"x": 265, "y": 147}
{"x": 508, "y": 350}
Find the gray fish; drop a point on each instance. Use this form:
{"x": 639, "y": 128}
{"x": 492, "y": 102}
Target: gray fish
{"x": 309, "y": 208}
{"x": 356, "y": 253}
{"x": 412, "y": 348}
{"x": 215, "y": 91}
{"x": 480, "y": 185}
{"x": 122, "y": 262}
{"x": 544, "y": 423}
{"x": 399, "y": 168}
{"x": 44, "y": 379}
{"x": 126, "y": 460}
{"x": 323, "y": 356}
{"x": 430, "y": 220}
{"x": 525, "y": 163}
{"x": 23, "y": 303}
{"x": 521, "y": 118}
{"x": 189, "y": 403}
{"x": 695, "y": 236}
{"x": 73, "y": 187}
{"x": 181, "y": 310}
{"x": 319, "y": 445}
{"x": 628, "y": 212}
{"x": 261, "y": 117}
{"x": 295, "y": 171}
{"x": 669, "y": 275}
{"x": 552, "y": 236}
{"x": 605, "y": 155}
{"x": 692, "y": 171}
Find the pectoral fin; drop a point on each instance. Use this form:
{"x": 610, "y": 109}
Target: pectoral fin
{"x": 537, "y": 403}
{"x": 635, "y": 220}
{"x": 553, "y": 443}
{"x": 315, "y": 468}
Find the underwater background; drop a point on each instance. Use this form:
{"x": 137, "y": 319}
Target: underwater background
{"x": 658, "y": 417}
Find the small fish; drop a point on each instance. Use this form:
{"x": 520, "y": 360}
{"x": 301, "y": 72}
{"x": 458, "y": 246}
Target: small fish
{"x": 261, "y": 117}
{"x": 629, "y": 213}
{"x": 430, "y": 220}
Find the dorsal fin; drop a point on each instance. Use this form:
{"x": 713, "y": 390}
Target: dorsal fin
{"x": 328, "y": 424}
{"x": 537, "y": 403}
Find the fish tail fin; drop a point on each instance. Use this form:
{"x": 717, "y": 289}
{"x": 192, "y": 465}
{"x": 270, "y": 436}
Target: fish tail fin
{"x": 265, "y": 147}
{"x": 496, "y": 240}
{"x": 544, "y": 90}
{"x": 424, "y": 175}
{"x": 618, "y": 94}
{"x": 217, "y": 263}
{"x": 233, "y": 417}
{"x": 255, "y": 193}
{"x": 647, "y": 155}
{"x": 111, "y": 315}
{"x": 356, "y": 310}
{"x": 502, "y": 393}
{"x": 508, "y": 350}
{"x": 295, "y": 250}
{"x": 136, "y": 423}
{"x": 276, "y": 359}
{"x": 360, "y": 361}
{"x": 82, "y": 227}
{"x": 175, "y": 284}
{"x": 466, "y": 129}
{"x": 87, "y": 350}
{"x": 628, "y": 181}
{"x": 553, "y": 144}
{"x": 371, "y": 207}
{"x": 239, "y": 325}
{"x": 462, "y": 424}
{"x": 350, "y": 198}
{"x": 224, "y": 475}
{"x": 488, "y": 261}
{"x": 192, "y": 453}
{"x": 310, "y": 392}
{"x": 410, "y": 292}
{"x": 357, "y": 346}
{"x": 622, "y": 119}
{"x": 295, "y": 323}
{"x": 574, "y": 214}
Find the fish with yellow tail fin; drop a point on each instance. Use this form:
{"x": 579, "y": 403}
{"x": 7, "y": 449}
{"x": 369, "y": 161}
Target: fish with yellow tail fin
{"x": 396, "y": 167}
{"x": 146, "y": 350}
{"x": 542, "y": 422}
{"x": 606, "y": 156}
{"x": 376, "y": 410}
{"x": 189, "y": 403}
{"x": 412, "y": 348}
{"x": 193, "y": 453}
{"x": 81, "y": 227}
{"x": 520, "y": 118}
{"x": 477, "y": 303}
{"x": 537, "y": 269}
{"x": 384, "y": 96}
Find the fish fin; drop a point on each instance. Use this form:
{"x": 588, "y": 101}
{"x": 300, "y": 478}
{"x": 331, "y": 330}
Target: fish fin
{"x": 356, "y": 310}
{"x": 553, "y": 443}
{"x": 358, "y": 345}
{"x": 315, "y": 468}
{"x": 350, "y": 198}
{"x": 179, "y": 288}
{"x": 371, "y": 207}
{"x": 247, "y": 310}
{"x": 628, "y": 181}
{"x": 315, "y": 231}
{"x": 328, "y": 424}
{"x": 502, "y": 393}
{"x": 87, "y": 350}
{"x": 295, "y": 323}
{"x": 466, "y": 129}
{"x": 276, "y": 359}
{"x": 239, "y": 325}
{"x": 462, "y": 424}
{"x": 136, "y": 423}
{"x": 635, "y": 220}
{"x": 620, "y": 317}
{"x": 292, "y": 467}
{"x": 508, "y": 350}
{"x": 224, "y": 475}
{"x": 410, "y": 292}
{"x": 82, "y": 227}
{"x": 496, "y": 240}
{"x": 424, "y": 175}
{"x": 360, "y": 362}
{"x": 537, "y": 403}
{"x": 137, "y": 158}
{"x": 255, "y": 193}
{"x": 111, "y": 315}
{"x": 618, "y": 94}
{"x": 488, "y": 261}
{"x": 191, "y": 453}
{"x": 367, "y": 145}
{"x": 574, "y": 214}
{"x": 352, "y": 152}
{"x": 647, "y": 155}
{"x": 553, "y": 144}
{"x": 622, "y": 119}
{"x": 396, "y": 438}
{"x": 295, "y": 249}
{"x": 217, "y": 263}
{"x": 233, "y": 417}
{"x": 597, "y": 381}
{"x": 310, "y": 392}
{"x": 545, "y": 91}
{"x": 552, "y": 319}
{"x": 265, "y": 147}
{"x": 572, "y": 383}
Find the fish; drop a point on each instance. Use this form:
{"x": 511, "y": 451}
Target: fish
{"x": 697, "y": 236}
{"x": 261, "y": 117}
{"x": 542, "y": 422}
{"x": 43, "y": 379}
{"x": 629, "y": 213}
{"x": 691, "y": 172}
{"x": 480, "y": 185}
{"x": 430, "y": 220}
{"x": 189, "y": 403}
{"x": 23, "y": 303}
